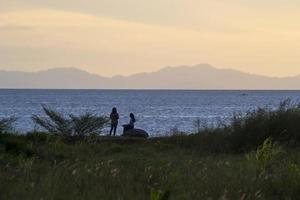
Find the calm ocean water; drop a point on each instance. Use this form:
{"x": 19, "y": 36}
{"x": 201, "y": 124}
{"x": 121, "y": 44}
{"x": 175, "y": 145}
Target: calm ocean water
{"x": 157, "y": 111}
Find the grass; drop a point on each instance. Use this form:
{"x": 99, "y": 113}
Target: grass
{"x": 257, "y": 156}
{"x": 137, "y": 168}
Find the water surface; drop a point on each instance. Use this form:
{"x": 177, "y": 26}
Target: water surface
{"x": 157, "y": 111}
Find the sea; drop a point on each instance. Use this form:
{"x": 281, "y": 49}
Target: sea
{"x": 159, "y": 112}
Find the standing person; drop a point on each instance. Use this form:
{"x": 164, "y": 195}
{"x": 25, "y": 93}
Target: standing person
{"x": 114, "y": 118}
{"x": 131, "y": 123}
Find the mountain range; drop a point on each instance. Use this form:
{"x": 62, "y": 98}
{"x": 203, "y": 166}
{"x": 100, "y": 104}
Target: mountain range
{"x": 202, "y": 76}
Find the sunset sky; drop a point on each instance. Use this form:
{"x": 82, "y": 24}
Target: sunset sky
{"x": 111, "y": 37}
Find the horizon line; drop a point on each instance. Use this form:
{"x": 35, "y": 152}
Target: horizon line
{"x": 148, "y": 89}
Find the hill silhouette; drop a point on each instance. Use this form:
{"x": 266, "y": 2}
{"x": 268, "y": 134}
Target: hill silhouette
{"x": 202, "y": 76}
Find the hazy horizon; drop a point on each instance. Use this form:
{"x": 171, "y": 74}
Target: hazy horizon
{"x": 145, "y": 72}
{"x": 124, "y": 37}
{"x": 202, "y": 76}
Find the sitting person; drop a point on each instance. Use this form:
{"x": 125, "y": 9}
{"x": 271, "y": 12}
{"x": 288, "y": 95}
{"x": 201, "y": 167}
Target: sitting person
{"x": 131, "y": 123}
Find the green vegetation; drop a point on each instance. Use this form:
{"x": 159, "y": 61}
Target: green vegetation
{"x": 257, "y": 156}
{"x": 6, "y": 124}
{"x": 78, "y": 126}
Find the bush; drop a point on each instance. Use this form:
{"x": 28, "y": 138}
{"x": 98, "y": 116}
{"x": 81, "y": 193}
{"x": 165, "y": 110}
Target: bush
{"x": 268, "y": 154}
{"x": 159, "y": 195}
{"x": 6, "y": 124}
{"x": 16, "y": 145}
{"x": 83, "y": 125}
{"x": 282, "y": 124}
{"x": 88, "y": 124}
{"x": 40, "y": 137}
{"x": 246, "y": 132}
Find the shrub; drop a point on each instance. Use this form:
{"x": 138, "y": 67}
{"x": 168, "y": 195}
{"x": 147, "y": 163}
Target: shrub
{"x": 249, "y": 131}
{"x": 268, "y": 154}
{"x": 39, "y": 137}
{"x": 16, "y": 145}
{"x": 83, "y": 125}
{"x": 87, "y": 124}
{"x": 159, "y": 195}
{"x": 55, "y": 123}
{"x": 6, "y": 124}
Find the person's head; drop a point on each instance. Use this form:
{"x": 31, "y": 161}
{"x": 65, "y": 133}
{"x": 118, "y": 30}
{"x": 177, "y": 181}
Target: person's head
{"x": 132, "y": 116}
{"x": 114, "y": 110}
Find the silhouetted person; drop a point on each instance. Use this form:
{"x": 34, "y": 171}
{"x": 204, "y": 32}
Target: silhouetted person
{"x": 114, "y": 118}
{"x": 131, "y": 123}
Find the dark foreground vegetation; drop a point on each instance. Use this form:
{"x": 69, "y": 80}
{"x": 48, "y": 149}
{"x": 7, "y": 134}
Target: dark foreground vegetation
{"x": 256, "y": 156}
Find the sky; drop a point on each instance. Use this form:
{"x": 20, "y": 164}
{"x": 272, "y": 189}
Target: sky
{"x": 122, "y": 37}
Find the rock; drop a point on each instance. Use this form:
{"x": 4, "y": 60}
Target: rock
{"x": 136, "y": 133}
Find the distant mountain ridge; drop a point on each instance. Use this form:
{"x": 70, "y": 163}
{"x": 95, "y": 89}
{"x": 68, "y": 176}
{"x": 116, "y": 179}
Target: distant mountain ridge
{"x": 202, "y": 76}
